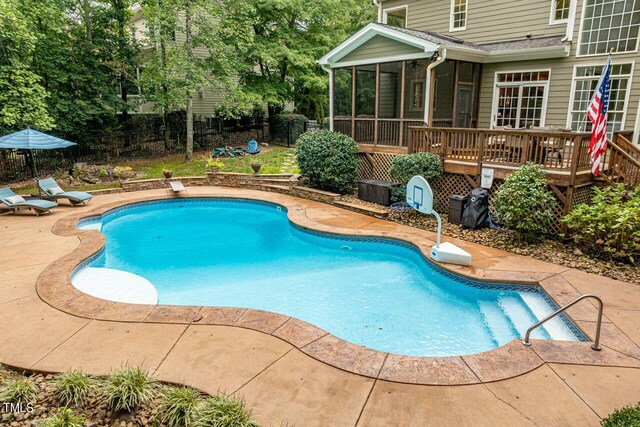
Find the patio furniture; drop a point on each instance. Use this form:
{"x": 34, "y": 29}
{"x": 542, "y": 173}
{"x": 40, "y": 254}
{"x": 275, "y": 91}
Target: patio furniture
{"x": 13, "y": 203}
{"x": 49, "y": 189}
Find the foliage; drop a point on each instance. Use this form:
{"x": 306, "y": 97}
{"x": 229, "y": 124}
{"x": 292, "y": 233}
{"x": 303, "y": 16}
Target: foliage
{"x": 22, "y": 99}
{"x": 177, "y": 406}
{"x": 609, "y": 227}
{"x": 64, "y": 417}
{"x": 278, "y": 43}
{"x": 73, "y": 387}
{"x": 406, "y": 166}
{"x": 223, "y": 411}
{"x": 525, "y": 204}
{"x": 284, "y": 124}
{"x": 19, "y": 389}
{"x": 128, "y": 388}
{"x": 214, "y": 163}
{"x": 628, "y": 416}
{"x": 329, "y": 160}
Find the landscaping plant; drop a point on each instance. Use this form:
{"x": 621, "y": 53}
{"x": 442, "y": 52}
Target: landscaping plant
{"x": 73, "y": 387}
{"x": 329, "y": 160}
{"x": 223, "y": 411}
{"x": 128, "y": 388}
{"x": 629, "y": 416}
{"x": 406, "y": 166}
{"x": 19, "y": 389}
{"x": 177, "y": 405}
{"x": 525, "y": 204}
{"x": 609, "y": 227}
{"x": 64, "y": 417}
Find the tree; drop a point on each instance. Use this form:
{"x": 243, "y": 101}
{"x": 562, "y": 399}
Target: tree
{"x": 279, "y": 42}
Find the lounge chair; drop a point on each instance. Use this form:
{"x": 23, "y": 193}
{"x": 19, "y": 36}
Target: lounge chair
{"x": 49, "y": 189}
{"x": 13, "y": 202}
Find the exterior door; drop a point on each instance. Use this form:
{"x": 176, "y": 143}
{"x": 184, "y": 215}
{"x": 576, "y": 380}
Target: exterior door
{"x": 464, "y": 105}
{"x": 520, "y": 99}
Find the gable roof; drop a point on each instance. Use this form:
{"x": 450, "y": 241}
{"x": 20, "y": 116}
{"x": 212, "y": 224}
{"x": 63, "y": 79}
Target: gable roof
{"x": 430, "y": 42}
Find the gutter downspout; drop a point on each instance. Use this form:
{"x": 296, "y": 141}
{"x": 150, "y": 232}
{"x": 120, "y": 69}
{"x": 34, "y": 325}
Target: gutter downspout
{"x": 327, "y": 68}
{"x": 571, "y": 21}
{"x": 442, "y": 55}
{"x": 378, "y": 4}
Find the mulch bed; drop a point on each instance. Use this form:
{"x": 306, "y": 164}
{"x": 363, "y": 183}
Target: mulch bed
{"x": 566, "y": 254}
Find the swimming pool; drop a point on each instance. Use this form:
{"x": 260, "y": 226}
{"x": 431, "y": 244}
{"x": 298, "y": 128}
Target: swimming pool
{"x": 379, "y": 293}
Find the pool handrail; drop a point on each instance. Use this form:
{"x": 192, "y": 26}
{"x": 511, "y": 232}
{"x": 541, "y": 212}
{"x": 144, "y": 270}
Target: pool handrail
{"x": 596, "y": 342}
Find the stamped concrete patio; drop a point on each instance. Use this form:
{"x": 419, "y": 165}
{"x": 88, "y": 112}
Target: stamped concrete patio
{"x": 291, "y": 373}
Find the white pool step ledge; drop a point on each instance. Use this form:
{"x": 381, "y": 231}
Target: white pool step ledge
{"x": 115, "y": 285}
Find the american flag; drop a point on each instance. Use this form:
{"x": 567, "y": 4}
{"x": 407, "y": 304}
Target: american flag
{"x": 597, "y": 114}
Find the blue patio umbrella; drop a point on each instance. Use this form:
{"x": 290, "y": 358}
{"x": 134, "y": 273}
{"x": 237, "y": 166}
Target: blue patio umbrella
{"x": 30, "y": 139}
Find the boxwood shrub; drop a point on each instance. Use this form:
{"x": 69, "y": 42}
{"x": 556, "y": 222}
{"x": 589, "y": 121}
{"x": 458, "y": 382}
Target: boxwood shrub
{"x": 329, "y": 160}
{"x": 525, "y": 204}
{"x": 608, "y": 228}
{"x": 629, "y": 416}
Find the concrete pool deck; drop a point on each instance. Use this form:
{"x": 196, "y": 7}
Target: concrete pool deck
{"x": 291, "y": 373}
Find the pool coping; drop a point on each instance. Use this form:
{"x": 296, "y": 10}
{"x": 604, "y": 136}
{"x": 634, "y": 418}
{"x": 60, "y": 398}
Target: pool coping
{"x": 507, "y": 361}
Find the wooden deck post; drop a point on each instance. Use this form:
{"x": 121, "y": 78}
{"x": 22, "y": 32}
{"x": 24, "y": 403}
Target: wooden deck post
{"x": 402, "y": 88}
{"x": 375, "y": 113}
{"x": 353, "y": 102}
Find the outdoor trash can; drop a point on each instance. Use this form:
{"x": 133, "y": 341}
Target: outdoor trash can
{"x": 375, "y": 190}
{"x": 456, "y": 208}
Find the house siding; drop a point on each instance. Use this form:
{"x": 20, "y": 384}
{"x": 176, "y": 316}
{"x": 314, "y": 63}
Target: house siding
{"x": 379, "y": 47}
{"x": 560, "y": 83}
{"x": 487, "y": 20}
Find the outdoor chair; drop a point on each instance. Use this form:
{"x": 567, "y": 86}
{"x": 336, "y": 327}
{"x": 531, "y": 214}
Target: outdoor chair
{"x": 12, "y": 203}
{"x": 49, "y": 189}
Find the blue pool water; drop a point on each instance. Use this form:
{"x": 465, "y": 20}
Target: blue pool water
{"x": 380, "y": 293}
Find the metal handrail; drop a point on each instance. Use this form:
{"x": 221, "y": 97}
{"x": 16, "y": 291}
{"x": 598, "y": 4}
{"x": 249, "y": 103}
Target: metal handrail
{"x": 596, "y": 342}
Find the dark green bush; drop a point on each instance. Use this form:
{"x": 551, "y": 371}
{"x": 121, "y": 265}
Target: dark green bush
{"x": 329, "y": 160}
{"x": 525, "y": 204}
{"x": 608, "y": 228}
{"x": 284, "y": 124}
{"x": 629, "y": 416}
{"x": 404, "y": 167}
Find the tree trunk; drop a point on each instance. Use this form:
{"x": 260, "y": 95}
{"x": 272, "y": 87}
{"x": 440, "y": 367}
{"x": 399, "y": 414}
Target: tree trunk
{"x": 121, "y": 14}
{"x": 164, "y": 89}
{"x": 189, "y": 147}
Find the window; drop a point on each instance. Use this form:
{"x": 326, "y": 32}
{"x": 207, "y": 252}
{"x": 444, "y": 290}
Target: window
{"x": 395, "y": 16}
{"x": 560, "y": 11}
{"x": 585, "y": 80}
{"x": 342, "y": 92}
{"x": 416, "y": 95}
{"x": 609, "y": 24}
{"x": 458, "y": 15}
{"x": 520, "y": 99}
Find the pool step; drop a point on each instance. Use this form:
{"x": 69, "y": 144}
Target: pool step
{"x": 367, "y": 210}
{"x": 555, "y": 327}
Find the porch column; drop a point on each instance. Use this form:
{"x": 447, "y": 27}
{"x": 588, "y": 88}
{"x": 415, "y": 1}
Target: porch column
{"x": 375, "y": 113}
{"x": 402, "y": 90}
{"x": 332, "y": 73}
{"x": 353, "y": 102}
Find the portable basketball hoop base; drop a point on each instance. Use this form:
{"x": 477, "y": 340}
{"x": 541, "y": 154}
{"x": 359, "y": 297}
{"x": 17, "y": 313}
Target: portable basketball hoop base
{"x": 420, "y": 198}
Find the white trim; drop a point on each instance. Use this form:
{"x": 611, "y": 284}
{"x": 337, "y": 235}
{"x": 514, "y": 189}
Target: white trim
{"x": 331, "y": 96}
{"x": 578, "y": 55}
{"x": 382, "y": 60}
{"x": 412, "y": 92}
{"x": 572, "y": 20}
{"x": 552, "y": 15}
{"x": 636, "y": 127}
{"x": 528, "y": 54}
{"x": 391, "y": 9}
{"x": 466, "y": 16}
{"x": 545, "y": 96}
{"x": 627, "y": 95}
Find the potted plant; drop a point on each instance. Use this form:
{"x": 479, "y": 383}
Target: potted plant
{"x": 167, "y": 173}
{"x": 214, "y": 165}
{"x": 256, "y": 167}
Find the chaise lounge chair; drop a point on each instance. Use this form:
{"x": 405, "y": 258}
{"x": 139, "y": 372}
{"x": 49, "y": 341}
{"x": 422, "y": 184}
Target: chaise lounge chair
{"x": 49, "y": 189}
{"x": 13, "y": 202}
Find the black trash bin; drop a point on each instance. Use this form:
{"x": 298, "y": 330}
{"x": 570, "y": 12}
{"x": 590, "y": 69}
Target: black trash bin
{"x": 376, "y": 191}
{"x": 476, "y": 212}
{"x": 456, "y": 208}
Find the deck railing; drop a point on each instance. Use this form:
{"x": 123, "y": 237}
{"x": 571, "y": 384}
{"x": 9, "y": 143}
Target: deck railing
{"x": 564, "y": 151}
{"x": 622, "y": 162}
{"x": 371, "y": 131}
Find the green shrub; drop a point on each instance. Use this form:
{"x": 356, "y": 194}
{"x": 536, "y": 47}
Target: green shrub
{"x": 629, "y": 416}
{"x": 128, "y": 388}
{"x": 73, "y": 387}
{"x": 223, "y": 411}
{"x": 64, "y": 418}
{"x": 609, "y": 227}
{"x": 406, "y": 166}
{"x": 329, "y": 160}
{"x": 177, "y": 406}
{"x": 525, "y": 204}
{"x": 19, "y": 389}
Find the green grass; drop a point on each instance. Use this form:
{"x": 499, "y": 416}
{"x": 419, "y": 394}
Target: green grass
{"x": 177, "y": 405}
{"x": 19, "y": 389}
{"x": 128, "y": 388}
{"x": 73, "y": 387}
{"x": 271, "y": 159}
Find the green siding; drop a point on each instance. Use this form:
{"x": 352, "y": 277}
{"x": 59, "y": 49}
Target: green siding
{"x": 379, "y": 47}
